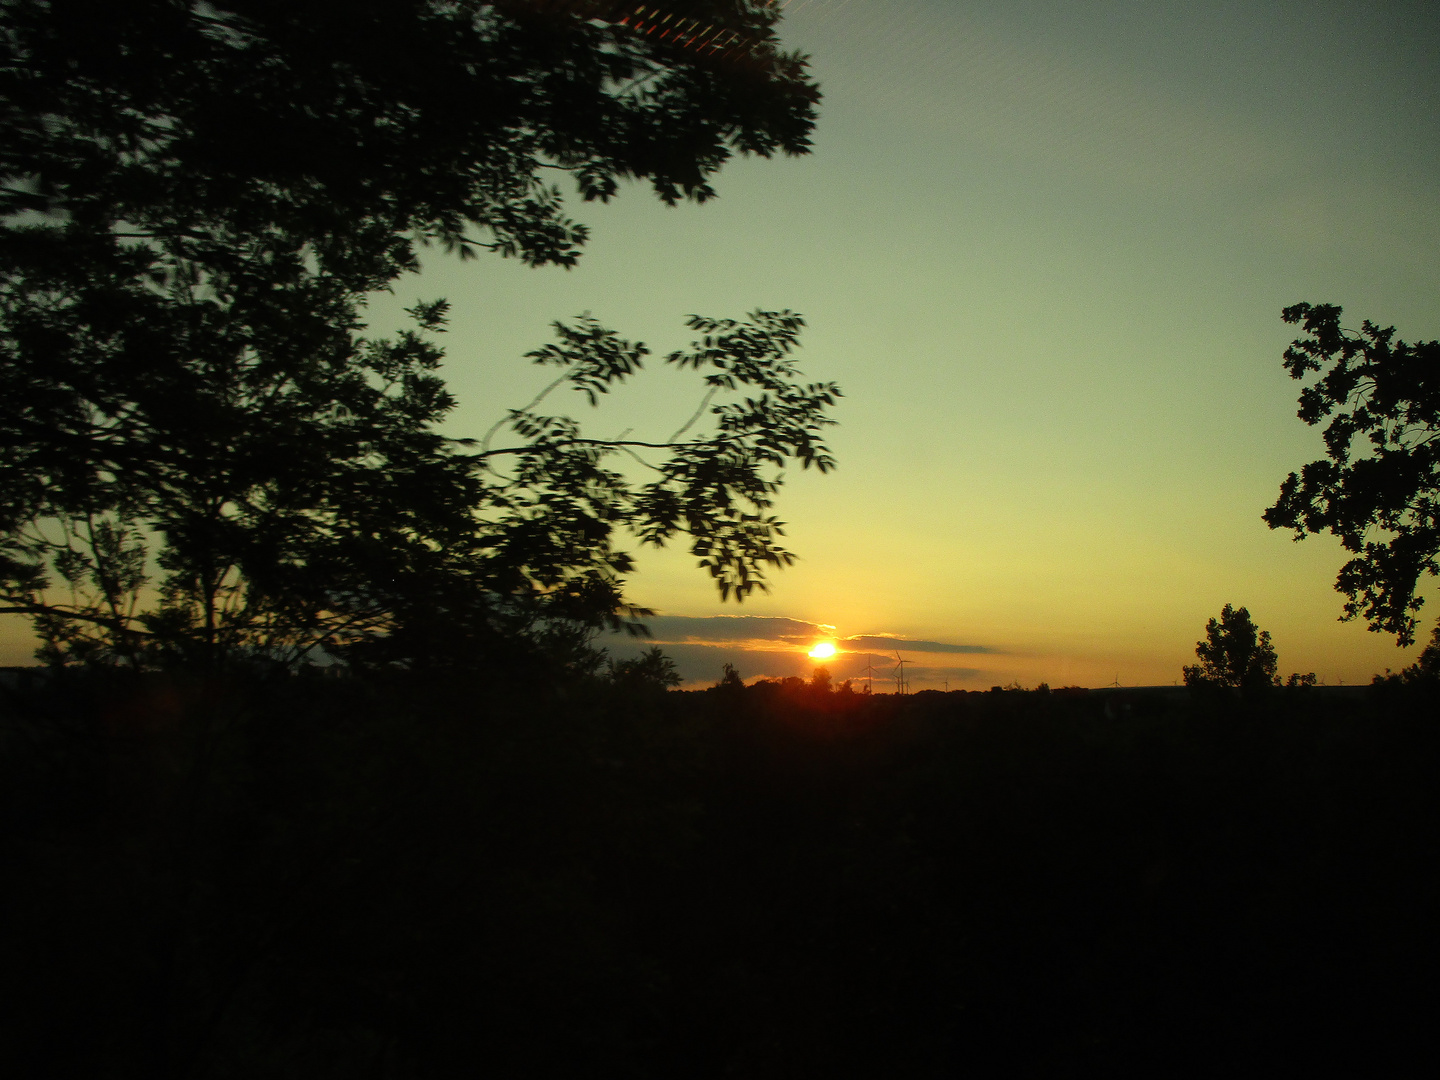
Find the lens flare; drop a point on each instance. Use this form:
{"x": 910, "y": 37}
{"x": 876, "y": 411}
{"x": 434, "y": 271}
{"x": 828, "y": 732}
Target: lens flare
{"x": 823, "y": 651}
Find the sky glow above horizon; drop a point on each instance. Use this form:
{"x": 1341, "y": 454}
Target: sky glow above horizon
{"x": 1043, "y": 248}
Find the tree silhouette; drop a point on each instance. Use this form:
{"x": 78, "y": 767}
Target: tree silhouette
{"x": 1427, "y": 664}
{"x": 203, "y": 455}
{"x": 730, "y": 681}
{"x": 1235, "y": 654}
{"x": 651, "y": 670}
{"x": 1379, "y": 488}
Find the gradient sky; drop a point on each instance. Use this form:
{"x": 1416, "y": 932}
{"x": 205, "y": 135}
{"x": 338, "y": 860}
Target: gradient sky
{"x": 1043, "y": 247}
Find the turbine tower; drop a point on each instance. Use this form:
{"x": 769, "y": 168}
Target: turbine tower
{"x": 900, "y": 680}
{"x": 869, "y": 674}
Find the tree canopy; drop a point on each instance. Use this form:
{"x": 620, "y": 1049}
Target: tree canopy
{"x": 1235, "y": 654}
{"x": 1378, "y": 488}
{"x": 201, "y": 448}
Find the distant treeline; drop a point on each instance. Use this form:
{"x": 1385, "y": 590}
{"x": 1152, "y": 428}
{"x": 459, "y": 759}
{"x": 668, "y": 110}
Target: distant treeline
{"x": 308, "y": 876}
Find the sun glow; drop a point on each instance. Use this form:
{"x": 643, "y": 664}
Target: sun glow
{"x": 822, "y": 651}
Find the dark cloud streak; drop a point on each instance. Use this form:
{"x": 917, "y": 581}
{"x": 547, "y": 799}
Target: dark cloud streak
{"x": 716, "y": 628}
{"x": 701, "y": 646}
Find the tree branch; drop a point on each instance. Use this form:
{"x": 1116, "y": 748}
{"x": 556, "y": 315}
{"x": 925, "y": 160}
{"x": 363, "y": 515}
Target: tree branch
{"x": 63, "y": 612}
{"x": 709, "y": 396}
{"x": 615, "y": 443}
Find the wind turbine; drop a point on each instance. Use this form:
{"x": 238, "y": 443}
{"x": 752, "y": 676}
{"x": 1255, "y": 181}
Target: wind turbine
{"x": 869, "y": 674}
{"x": 900, "y": 663}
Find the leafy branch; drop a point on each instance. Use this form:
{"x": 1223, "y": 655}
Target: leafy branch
{"x": 1378, "y": 490}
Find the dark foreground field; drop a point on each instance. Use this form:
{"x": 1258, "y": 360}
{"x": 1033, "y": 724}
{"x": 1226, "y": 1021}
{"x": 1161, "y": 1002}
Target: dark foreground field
{"x": 316, "y": 878}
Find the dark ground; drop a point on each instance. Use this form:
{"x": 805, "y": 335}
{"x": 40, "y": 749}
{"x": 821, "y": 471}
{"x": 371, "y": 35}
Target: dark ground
{"x": 321, "y": 878}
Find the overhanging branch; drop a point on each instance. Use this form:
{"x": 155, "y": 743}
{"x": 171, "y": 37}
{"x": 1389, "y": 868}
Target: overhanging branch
{"x": 613, "y": 443}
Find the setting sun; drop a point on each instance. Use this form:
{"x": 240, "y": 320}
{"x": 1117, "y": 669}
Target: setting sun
{"x": 823, "y": 651}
